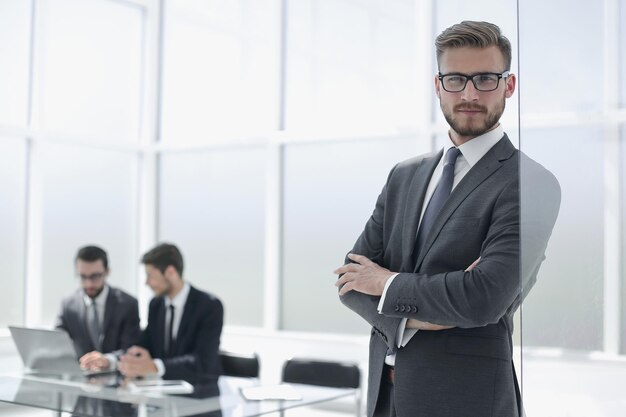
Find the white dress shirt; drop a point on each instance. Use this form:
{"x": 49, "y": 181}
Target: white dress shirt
{"x": 472, "y": 151}
{"x": 178, "y": 302}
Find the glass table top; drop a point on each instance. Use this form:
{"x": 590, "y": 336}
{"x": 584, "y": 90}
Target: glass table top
{"x": 101, "y": 397}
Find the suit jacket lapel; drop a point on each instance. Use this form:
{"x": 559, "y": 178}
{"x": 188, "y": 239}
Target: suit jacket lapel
{"x": 414, "y": 202}
{"x": 490, "y": 163}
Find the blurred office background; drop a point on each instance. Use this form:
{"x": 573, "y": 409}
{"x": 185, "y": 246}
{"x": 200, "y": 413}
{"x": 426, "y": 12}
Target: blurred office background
{"x": 257, "y": 134}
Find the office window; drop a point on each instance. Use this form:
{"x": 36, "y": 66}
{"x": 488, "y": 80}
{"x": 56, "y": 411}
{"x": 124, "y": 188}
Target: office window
{"x": 220, "y": 69}
{"x": 12, "y": 224}
{"x": 551, "y": 47}
{"x": 14, "y": 44}
{"x": 351, "y": 65}
{"x": 569, "y": 288}
{"x": 88, "y": 68}
{"x": 212, "y": 205}
{"x": 502, "y": 13}
{"x": 330, "y": 190}
{"x": 88, "y": 197}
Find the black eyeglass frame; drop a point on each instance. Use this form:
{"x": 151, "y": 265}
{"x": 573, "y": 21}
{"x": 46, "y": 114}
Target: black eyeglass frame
{"x": 96, "y": 276}
{"x": 471, "y": 77}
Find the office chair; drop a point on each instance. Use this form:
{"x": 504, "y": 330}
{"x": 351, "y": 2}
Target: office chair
{"x": 243, "y": 365}
{"x": 324, "y": 374}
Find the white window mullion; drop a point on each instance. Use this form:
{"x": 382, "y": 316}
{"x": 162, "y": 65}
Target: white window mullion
{"x": 147, "y": 167}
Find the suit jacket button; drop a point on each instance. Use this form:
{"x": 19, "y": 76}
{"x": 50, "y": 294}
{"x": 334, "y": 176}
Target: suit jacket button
{"x": 414, "y": 309}
{"x": 402, "y": 308}
{"x": 396, "y": 307}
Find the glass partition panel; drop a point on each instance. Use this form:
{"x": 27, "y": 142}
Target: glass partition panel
{"x": 12, "y": 224}
{"x": 622, "y": 50}
{"x": 570, "y": 293}
{"x": 622, "y": 219}
{"x": 212, "y": 205}
{"x": 87, "y": 197}
{"x": 89, "y": 61}
{"x": 14, "y": 54}
{"x": 351, "y": 65}
{"x": 330, "y": 190}
{"x": 573, "y": 317}
{"x": 220, "y": 66}
{"x": 548, "y": 56}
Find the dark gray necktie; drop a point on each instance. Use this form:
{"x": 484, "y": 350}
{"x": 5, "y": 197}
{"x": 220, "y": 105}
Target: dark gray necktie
{"x": 169, "y": 350}
{"x": 438, "y": 199}
{"x": 93, "y": 324}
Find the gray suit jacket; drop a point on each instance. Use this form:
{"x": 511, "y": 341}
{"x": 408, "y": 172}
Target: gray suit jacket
{"x": 467, "y": 370}
{"x": 120, "y": 324}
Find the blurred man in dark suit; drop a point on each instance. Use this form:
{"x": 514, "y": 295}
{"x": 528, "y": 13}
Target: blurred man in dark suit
{"x": 182, "y": 338}
{"x": 100, "y": 319}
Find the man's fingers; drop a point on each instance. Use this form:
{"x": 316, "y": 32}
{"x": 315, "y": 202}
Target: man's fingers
{"x": 360, "y": 259}
{"x": 348, "y": 287}
{"x": 88, "y": 358}
{"x": 90, "y": 355}
{"x": 347, "y": 268}
{"x": 473, "y": 265}
{"x": 347, "y": 277}
{"x": 136, "y": 351}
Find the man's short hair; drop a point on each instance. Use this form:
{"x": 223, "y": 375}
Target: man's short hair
{"x": 474, "y": 35}
{"x": 92, "y": 253}
{"x": 162, "y": 256}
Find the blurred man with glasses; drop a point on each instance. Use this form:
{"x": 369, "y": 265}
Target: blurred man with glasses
{"x": 101, "y": 320}
{"x": 436, "y": 272}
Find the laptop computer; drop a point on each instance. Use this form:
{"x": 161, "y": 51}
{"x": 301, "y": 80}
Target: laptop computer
{"x": 49, "y": 352}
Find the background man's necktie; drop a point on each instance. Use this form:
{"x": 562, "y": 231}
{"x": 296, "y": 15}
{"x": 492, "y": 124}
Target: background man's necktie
{"x": 93, "y": 324}
{"x": 170, "y": 333}
{"x": 439, "y": 197}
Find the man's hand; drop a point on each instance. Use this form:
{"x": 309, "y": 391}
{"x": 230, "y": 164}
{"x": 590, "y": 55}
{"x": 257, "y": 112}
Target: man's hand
{"x": 473, "y": 265}
{"x": 94, "y": 361}
{"x": 424, "y": 325}
{"x": 136, "y": 362}
{"x": 364, "y": 276}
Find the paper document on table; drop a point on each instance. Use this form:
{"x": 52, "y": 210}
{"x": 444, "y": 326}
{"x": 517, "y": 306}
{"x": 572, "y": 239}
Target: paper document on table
{"x": 160, "y": 385}
{"x": 271, "y": 392}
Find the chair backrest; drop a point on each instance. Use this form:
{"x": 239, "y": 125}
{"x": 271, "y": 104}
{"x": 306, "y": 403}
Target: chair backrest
{"x": 240, "y": 364}
{"x": 322, "y": 373}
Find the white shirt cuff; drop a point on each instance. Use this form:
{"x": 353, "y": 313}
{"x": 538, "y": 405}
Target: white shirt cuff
{"x": 160, "y": 367}
{"x": 382, "y": 297}
{"x": 112, "y": 360}
{"x": 407, "y": 335}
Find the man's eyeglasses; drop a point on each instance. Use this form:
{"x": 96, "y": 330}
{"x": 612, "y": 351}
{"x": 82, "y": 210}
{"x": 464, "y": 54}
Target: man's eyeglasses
{"x": 93, "y": 277}
{"x": 485, "y": 81}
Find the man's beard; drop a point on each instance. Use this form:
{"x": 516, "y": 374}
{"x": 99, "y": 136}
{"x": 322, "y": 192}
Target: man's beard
{"x": 96, "y": 293}
{"x": 471, "y": 129}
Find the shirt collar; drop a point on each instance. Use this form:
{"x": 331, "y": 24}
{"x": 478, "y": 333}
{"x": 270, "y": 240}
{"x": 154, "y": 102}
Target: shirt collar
{"x": 473, "y": 150}
{"x": 181, "y": 298}
{"x": 100, "y": 298}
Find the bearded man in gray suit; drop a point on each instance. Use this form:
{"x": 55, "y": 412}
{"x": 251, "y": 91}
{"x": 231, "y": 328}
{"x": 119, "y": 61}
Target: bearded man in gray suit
{"x": 101, "y": 320}
{"x": 437, "y": 271}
